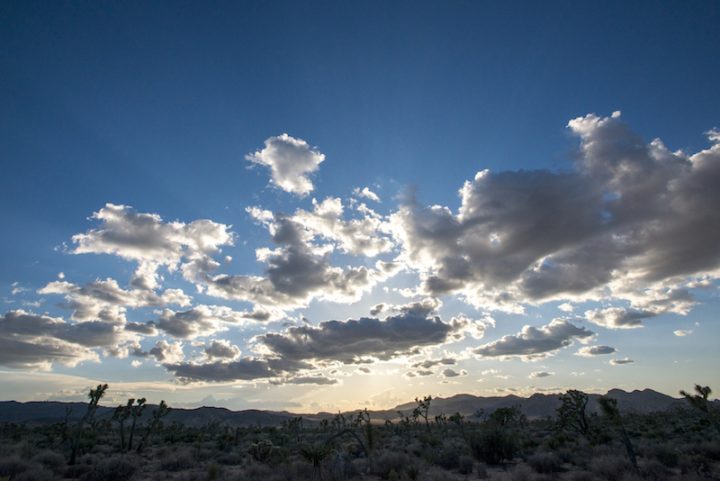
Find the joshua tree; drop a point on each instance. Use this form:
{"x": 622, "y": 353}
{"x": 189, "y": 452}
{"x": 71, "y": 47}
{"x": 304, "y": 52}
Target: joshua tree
{"x": 120, "y": 415}
{"x": 159, "y": 413}
{"x": 94, "y": 395}
{"x": 459, "y": 420}
{"x": 571, "y": 414}
{"x": 701, "y": 402}
{"x": 610, "y": 410}
{"x": 315, "y": 454}
{"x": 422, "y": 410}
{"x": 135, "y": 411}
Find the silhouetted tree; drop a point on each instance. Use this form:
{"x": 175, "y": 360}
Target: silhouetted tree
{"x": 610, "y": 410}
{"x": 94, "y": 395}
{"x": 571, "y": 413}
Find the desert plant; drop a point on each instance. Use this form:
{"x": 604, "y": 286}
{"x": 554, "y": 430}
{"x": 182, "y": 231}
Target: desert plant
{"x": 136, "y": 411}
{"x": 571, "y": 413}
{"x": 160, "y": 412}
{"x": 422, "y": 410}
{"x": 610, "y": 410}
{"x": 95, "y": 395}
{"x": 493, "y": 445}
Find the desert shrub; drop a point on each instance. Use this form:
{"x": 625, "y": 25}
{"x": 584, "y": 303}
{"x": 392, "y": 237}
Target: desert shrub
{"x": 545, "y": 463}
{"x": 297, "y": 470}
{"x": 390, "y": 461}
{"x": 582, "y": 476}
{"x": 116, "y": 468}
{"x": 436, "y": 474}
{"x": 522, "y": 472}
{"x": 666, "y": 455}
{"x": 178, "y": 461}
{"x": 493, "y": 446}
{"x": 481, "y": 471}
{"x": 609, "y": 467}
{"x": 12, "y": 466}
{"x": 465, "y": 464}
{"x": 447, "y": 457}
{"x": 232, "y": 458}
{"x": 51, "y": 460}
{"x": 36, "y": 473}
{"x": 654, "y": 470}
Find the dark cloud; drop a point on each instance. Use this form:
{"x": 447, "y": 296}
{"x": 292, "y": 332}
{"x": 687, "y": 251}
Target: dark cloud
{"x": 535, "y": 342}
{"x": 349, "y": 340}
{"x": 589, "y": 351}
{"x": 222, "y": 349}
{"x": 628, "y": 215}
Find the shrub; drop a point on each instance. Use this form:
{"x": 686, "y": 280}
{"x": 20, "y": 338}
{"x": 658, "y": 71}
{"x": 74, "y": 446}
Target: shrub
{"x": 35, "y": 474}
{"x": 117, "y": 468}
{"x": 493, "y": 446}
{"x": 177, "y": 461}
{"x": 51, "y": 460}
{"x": 611, "y": 468}
{"x": 12, "y": 466}
{"x": 545, "y": 463}
{"x": 390, "y": 461}
{"x": 465, "y": 465}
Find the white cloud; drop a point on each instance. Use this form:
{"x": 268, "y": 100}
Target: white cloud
{"x": 683, "y": 332}
{"x": 290, "y": 161}
{"x": 367, "y": 193}
{"x": 540, "y": 374}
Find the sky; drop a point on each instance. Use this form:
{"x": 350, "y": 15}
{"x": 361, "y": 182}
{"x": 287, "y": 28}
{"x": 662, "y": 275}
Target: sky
{"x": 334, "y": 205}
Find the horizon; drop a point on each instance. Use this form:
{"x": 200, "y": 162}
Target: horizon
{"x": 320, "y": 207}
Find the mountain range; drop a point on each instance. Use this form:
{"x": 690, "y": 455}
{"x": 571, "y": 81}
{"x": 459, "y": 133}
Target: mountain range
{"x": 536, "y": 406}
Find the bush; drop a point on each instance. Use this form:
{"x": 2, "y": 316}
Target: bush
{"x": 51, "y": 460}
{"x": 465, "y": 465}
{"x": 12, "y": 466}
{"x": 390, "y": 461}
{"x": 177, "y": 461}
{"x": 35, "y": 474}
{"x": 611, "y": 468}
{"x": 493, "y": 446}
{"x": 545, "y": 463}
{"x": 117, "y": 468}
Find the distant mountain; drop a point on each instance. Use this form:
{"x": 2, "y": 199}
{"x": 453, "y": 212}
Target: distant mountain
{"x": 535, "y": 406}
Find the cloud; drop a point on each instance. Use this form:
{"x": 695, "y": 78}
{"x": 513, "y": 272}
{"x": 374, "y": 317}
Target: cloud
{"x": 34, "y": 341}
{"x": 290, "y": 161}
{"x": 204, "y": 320}
{"x": 242, "y": 369}
{"x": 152, "y": 243}
{"x": 540, "y": 374}
{"x": 535, "y": 343}
{"x": 296, "y": 272}
{"x": 367, "y": 234}
{"x": 367, "y": 193}
{"x": 590, "y": 351}
{"x": 618, "y": 362}
{"x": 348, "y": 341}
{"x": 221, "y": 348}
{"x": 683, "y": 332}
{"x": 452, "y": 373}
{"x": 629, "y": 216}
{"x": 167, "y": 352}
{"x": 105, "y": 300}
{"x": 317, "y": 380}
{"x": 428, "y": 363}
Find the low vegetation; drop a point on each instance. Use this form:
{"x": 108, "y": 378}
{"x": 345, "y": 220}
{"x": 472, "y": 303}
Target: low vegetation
{"x": 575, "y": 445}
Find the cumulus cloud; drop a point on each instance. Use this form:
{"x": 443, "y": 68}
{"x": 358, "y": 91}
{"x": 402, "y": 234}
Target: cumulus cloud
{"x": 628, "y": 217}
{"x": 535, "y": 343}
{"x": 453, "y": 373}
{"x": 348, "y": 341}
{"x": 540, "y": 374}
{"x": 367, "y": 193}
{"x": 428, "y": 363}
{"x": 296, "y": 272}
{"x": 242, "y": 369}
{"x": 105, "y": 300}
{"x": 223, "y": 349}
{"x": 590, "y": 351}
{"x": 618, "y": 362}
{"x": 204, "y": 320}
{"x": 35, "y": 341}
{"x": 148, "y": 240}
{"x": 290, "y": 161}
{"x": 367, "y": 234}
{"x": 167, "y": 352}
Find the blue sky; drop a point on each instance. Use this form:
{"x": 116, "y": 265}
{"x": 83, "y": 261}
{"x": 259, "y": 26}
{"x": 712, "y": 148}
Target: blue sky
{"x": 156, "y": 106}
